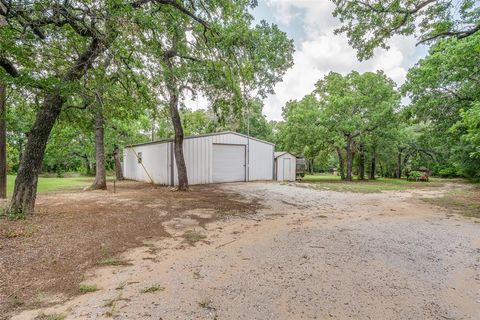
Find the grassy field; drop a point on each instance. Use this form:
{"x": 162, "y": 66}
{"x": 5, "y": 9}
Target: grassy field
{"x": 465, "y": 201}
{"x": 52, "y": 184}
{"x": 334, "y": 183}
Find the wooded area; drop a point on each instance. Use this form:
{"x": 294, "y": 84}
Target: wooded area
{"x": 78, "y": 80}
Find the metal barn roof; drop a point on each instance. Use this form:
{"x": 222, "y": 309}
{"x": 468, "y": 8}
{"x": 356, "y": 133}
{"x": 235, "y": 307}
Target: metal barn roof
{"x": 281, "y": 153}
{"x": 199, "y": 136}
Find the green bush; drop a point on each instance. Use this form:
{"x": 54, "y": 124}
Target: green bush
{"x": 448, "y": 172}
{"x": 415, "y": 175}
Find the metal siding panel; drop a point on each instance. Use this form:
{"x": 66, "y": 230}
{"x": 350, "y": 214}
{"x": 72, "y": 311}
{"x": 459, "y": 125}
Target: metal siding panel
{"x": 198, "y": 161}
{"x": 195, "y": 160}
{"x": 210, "y": 159}
{"x": 294, "y": 168}
{"x": 260, "y": 159}
{"x": 154, "y": 162}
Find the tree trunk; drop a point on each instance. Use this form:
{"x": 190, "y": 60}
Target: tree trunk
{"x": 348, "y": 150}
{"x": 404, "y": 167}
{"x": 25, "y": 191}
{"x": 399, "y": 165}
{"x": 372, "y": 167}
{"x": 153, "y": 130}
{"x": 361, "y": 164}
{"x": 178, "y": 142}
{"x": 174, "y": 93}
{"x": 3, "y": 141}
{"x": 100, "y": 171}
{"x": 88, "y": 166}
{"x": 341, "y": 167}
{"x": 118, "y": 164}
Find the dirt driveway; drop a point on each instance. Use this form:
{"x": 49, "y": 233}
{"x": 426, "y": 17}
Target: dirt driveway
{"x": 306, "y": 254}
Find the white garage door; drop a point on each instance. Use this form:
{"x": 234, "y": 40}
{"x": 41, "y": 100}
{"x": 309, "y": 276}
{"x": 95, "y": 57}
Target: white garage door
{"x": 228, "y": 163}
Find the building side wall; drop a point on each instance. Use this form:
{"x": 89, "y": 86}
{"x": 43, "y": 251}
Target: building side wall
{"x": 198, "y": 159}
{"x": 198, "y": 152}
{"x": 155, "y": 160}
{"x": 260, "y": 161}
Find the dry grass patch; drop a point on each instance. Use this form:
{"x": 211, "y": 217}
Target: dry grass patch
{"x": 152, "y": 289}
{"x": 50, "y": 317}
{"x": 85, "y": 288}
{"x": 114, "y": 262}
{"x": 193, "y": 236}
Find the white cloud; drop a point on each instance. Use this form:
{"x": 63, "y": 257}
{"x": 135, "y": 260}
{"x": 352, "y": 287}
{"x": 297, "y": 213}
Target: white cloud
{"x": 320, "y": 51}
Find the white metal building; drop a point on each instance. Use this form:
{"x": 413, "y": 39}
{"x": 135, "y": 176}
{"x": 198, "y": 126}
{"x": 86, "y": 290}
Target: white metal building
{"x": 210, "y": 158}
{"x": 285, "y": 166}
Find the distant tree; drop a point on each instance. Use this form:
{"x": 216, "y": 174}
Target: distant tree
{"x": 300, "y": 132}
{"x": 355, "y": 105}
{"x": 195, "y": 122}
{"x": 370, "y": 23}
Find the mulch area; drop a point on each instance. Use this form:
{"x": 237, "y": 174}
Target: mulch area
{"x": 71, "y": 232}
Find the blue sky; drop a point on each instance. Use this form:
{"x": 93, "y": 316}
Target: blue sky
{"x": 318, "y": 51}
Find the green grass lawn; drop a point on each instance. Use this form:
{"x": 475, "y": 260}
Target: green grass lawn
{"x": 334, "y": 183}
{"x": 52, "y": 184}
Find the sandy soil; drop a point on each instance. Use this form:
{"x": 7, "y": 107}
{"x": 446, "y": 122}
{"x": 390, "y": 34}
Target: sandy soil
{"x": 307, "y": 254}
{"x": 44, "y": 258}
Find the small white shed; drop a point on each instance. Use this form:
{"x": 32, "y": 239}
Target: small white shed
{"x": 210, "y": 158}
{"x": 285, "y": 166}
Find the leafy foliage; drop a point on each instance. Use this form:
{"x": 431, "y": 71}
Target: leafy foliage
{"x": 370, "y": 24}
{"x": 444, "y": 90}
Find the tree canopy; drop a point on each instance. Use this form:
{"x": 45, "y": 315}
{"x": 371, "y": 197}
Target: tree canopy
{"x": 370, "y": 24}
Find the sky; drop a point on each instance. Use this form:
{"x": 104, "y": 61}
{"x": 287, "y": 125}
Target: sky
{"x": 318, "y": 51}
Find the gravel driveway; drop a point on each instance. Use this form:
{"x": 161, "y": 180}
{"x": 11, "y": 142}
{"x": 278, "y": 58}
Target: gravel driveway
{"x": 307, "y": 254}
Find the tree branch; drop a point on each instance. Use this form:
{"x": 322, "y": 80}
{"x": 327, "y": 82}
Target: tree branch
{"x": 458, "y": 34}
{"x": 9, "y": 67}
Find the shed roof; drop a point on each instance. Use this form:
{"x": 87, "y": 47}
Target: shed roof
{"x": 199, "y": 136}
{"x": 281, "y": 153}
